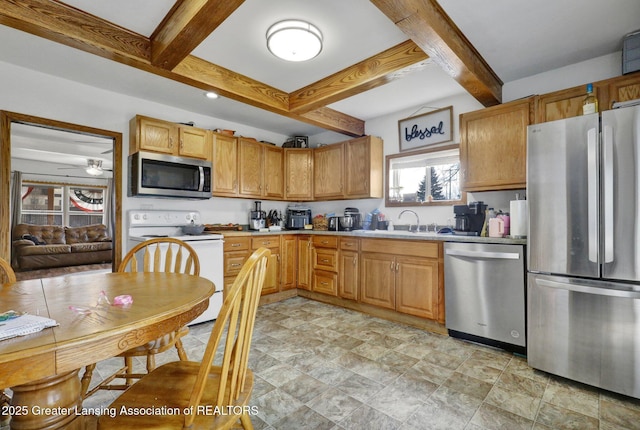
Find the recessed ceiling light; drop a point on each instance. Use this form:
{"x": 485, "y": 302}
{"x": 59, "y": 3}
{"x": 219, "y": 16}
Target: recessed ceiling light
{"x": 294, "y": 40}
{"x": 211, "y": 95}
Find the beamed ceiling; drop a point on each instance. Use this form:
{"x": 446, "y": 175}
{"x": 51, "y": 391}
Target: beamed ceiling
{"x": 430, "y": 37}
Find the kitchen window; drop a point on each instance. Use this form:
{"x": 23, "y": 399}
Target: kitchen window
{"x": 57, "y": 204}
{"x": 428, "y": 177}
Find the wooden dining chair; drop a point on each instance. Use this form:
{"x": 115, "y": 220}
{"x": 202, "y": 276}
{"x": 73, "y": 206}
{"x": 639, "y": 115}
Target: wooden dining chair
{"x": 215, "y": 393}
{"x": 163, "y": 254}
{"x": 7, "y": 276}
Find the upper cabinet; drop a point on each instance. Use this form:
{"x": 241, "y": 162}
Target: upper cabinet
{"x": 149, "y": 134}
{"x": 225, "y": 165}
{"x": 493, "y": 143}
{"x": 564, "y": 104}
{"x": 250, "y": 167}
{"x": 623, "y": 89}
{"x": 364, "y": 168}
{"x": 246, "y": 168}
{"x": 298, "y": 174}
{"x": 349, "y": 170}
{"x": 567, "y": 103}
{"x": 273, "y": 172}
{"x": 328, "y": 172}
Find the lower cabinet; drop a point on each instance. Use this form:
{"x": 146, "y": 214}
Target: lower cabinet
{"x": 325, "y": 264}
{"x": 288, "y": 263}
{"x": 304, "y": 262}
{"x": 349, "y": 268}
{"x": 236, "y": 251}
{"x": 272, "y": 278}
{"x": 404, "y": 276}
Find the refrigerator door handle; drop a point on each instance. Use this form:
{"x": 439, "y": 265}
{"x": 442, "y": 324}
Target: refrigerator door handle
{"x": 607, "y": 155}
{"x": 604, "y": 291}
{"x": 592, "y": 193}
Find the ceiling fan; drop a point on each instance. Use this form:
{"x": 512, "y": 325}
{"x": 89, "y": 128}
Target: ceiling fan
{"x": 93, "y": 167}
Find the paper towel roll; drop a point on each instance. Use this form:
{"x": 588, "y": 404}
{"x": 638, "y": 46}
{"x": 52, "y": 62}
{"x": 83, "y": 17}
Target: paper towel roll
{"x": 518, "y": 213}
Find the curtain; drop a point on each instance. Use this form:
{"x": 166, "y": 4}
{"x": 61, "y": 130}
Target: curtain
{"x": 16, "y": 199}
{"x": 108, "y": 211}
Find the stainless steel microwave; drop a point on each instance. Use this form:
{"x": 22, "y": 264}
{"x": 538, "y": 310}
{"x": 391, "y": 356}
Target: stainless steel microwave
{"x": 162, "y": 175}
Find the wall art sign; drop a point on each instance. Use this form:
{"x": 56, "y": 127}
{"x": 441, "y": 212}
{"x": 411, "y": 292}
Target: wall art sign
{"x": 426, "y": 129}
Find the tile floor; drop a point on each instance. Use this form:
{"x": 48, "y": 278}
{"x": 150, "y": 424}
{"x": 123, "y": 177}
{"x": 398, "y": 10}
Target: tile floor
{"x": 319, "y": 366}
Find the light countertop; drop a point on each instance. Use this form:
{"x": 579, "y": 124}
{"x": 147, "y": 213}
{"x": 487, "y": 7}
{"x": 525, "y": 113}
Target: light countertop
{"x": 384, "y": 234}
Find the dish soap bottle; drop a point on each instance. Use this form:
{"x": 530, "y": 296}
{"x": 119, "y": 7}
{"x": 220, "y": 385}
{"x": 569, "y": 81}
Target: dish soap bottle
{"x": 590, "y": 103}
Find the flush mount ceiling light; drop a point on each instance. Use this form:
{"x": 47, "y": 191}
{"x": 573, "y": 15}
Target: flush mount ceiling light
{"x": 211, "y": 95}
{"x": 294, "y": 40}
{"x": 94, "y": 167}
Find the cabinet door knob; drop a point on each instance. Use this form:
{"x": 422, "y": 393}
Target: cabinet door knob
{"x": 235, "y": 245}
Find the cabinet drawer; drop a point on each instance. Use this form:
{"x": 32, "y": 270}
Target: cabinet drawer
{"x": 325, "y": 282}
{"x": 349, "y": 244}
{"x": 322, "y": 241}
{"x": 237, "y": 243}
{"x": 325, "y": 259}
{"x": 233, "y": 262}
{"x": 266, "y": 242}
{"x": 415, "y": 248}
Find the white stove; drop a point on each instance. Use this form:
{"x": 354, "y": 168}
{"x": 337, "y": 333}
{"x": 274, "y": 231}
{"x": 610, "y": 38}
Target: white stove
{"x": 148, "y": 224}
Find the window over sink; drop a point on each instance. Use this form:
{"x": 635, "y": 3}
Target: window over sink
{"x": 427, "y": 177}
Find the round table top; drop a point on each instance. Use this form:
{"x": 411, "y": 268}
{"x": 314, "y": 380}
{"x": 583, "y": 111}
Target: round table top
{"x": 162, "y": 302}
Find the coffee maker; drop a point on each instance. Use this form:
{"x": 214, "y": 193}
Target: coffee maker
{"x": 469, "y": 218}
{"x": 257, "y": 217}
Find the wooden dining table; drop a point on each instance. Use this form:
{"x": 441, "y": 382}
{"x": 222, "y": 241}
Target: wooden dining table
{"x": 42, "y": 369}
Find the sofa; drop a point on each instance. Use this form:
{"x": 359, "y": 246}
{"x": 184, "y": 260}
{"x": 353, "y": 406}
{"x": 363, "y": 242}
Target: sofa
{"x": 48, "y": 246}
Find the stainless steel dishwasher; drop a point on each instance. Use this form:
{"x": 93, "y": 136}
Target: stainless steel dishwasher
{"x": 485, "y": 293}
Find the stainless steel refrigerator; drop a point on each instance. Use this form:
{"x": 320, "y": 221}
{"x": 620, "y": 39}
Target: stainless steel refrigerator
{"x": 583, "y": 286}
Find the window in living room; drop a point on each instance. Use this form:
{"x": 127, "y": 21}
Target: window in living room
{"x": 56, "y": 204}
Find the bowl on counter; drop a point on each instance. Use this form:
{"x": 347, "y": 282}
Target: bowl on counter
{"x": 193, "y": 229}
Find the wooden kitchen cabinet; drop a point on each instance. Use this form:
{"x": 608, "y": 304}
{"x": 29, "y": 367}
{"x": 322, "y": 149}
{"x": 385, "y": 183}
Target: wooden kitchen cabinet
{"x": 246, "y": 168}
{"x": 288, "y": 264}
{"x": 298, "y": 176}
{"x": 304, "y": 261}
{"x": 250, "y": 167}
{"x": 273, "y": 172}
{"x": 622, "y": 89}
{"x": 364, "y": 168}
{"x": 411, "y": 275}
{"x": 325, "y": 264}
{"x": 567, "y": 103}
{"x": 349, "y": 268}
{"x": 328, "y": 172}
{"x": 563, "y": 104}
{"x": 225, "y": 165}
{"x": 493, "y": 146}
{"x": 236, "y": 251}
{"x": 272, "y": 278}
{"x": 150, "y": 134}
{"x": 405, "y": 276}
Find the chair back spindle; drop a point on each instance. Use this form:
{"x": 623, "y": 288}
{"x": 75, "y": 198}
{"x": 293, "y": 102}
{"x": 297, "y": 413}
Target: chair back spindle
{"x": 237, "y": 319}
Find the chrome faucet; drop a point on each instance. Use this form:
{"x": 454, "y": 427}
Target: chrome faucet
{"x": 417, "y": 218}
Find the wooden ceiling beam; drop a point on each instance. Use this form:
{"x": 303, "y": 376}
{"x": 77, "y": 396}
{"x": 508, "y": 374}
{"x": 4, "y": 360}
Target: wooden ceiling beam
{"x": 363, "y": 76}
{"x": 333, "y": 120}
{"x": 186, "y": 27}
{"x": 72, "y": 27}
{"x": 426, "y": 23}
